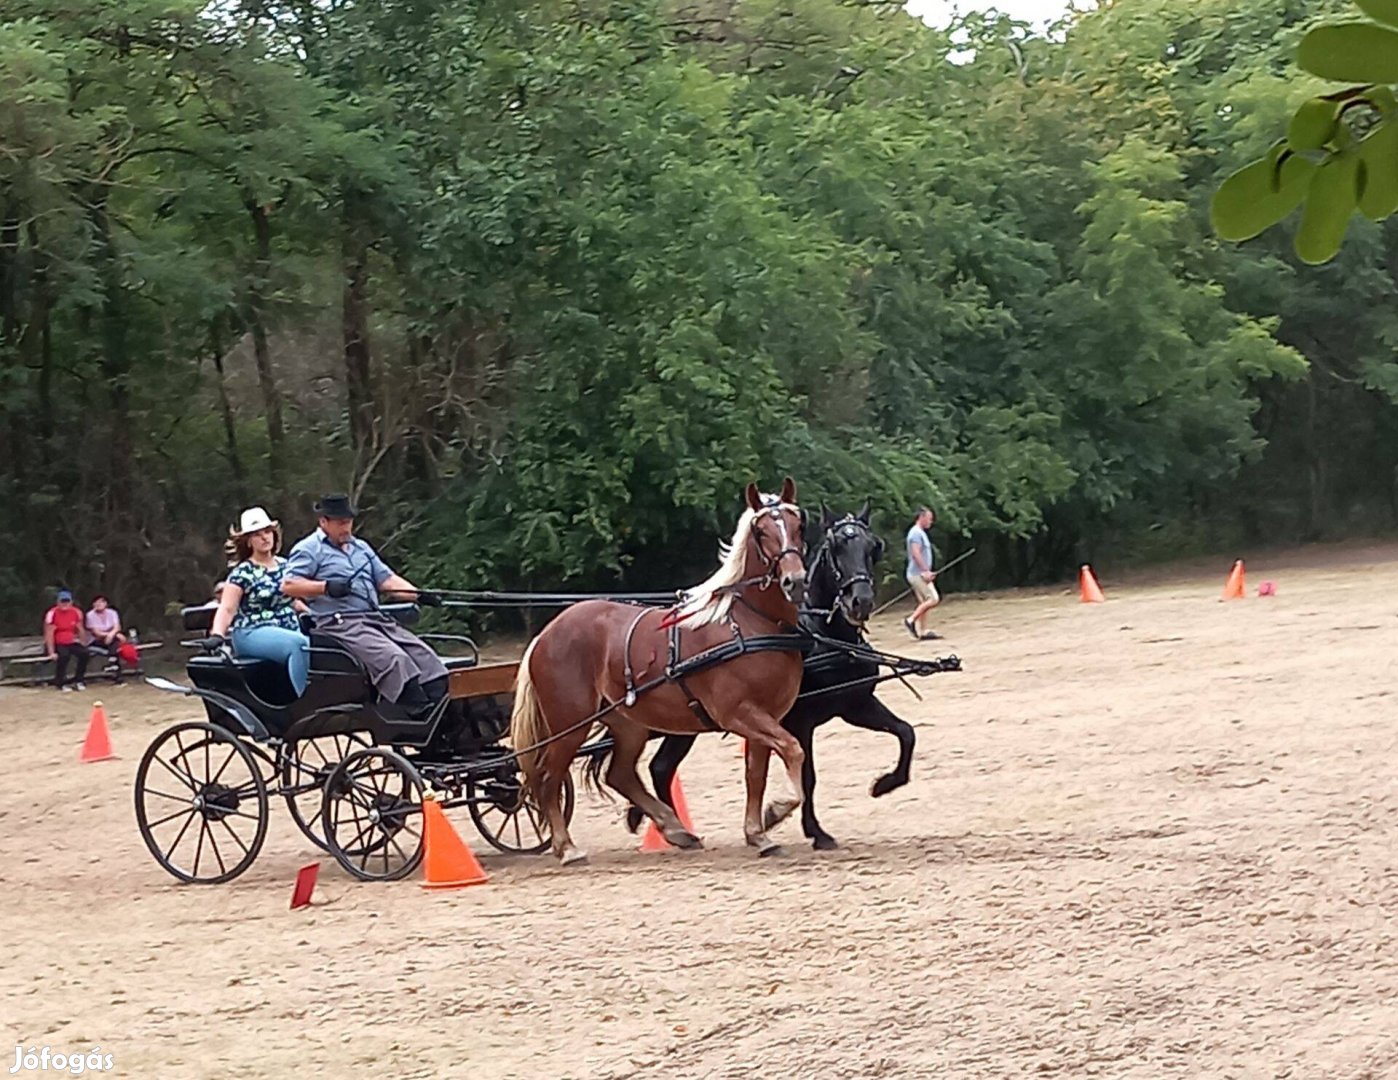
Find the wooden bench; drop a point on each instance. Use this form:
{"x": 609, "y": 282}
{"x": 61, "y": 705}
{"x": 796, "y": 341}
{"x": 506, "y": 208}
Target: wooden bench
{"x": 22, "y": 662}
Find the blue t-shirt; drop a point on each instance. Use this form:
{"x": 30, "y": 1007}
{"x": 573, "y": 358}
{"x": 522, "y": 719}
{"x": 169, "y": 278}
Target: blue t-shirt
{"x": 917, "y": 538}
{"x": 262, "y": 602}
{"x": 317, "y": 558}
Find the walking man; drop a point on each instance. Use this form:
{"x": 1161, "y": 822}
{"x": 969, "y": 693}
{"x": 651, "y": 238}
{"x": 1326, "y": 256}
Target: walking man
{"x": 340, "y": 577}
{"x": 920, "y": 574}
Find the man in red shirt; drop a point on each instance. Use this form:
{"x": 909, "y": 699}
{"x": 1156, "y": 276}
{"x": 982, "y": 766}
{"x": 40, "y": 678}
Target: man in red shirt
{"x": 65, "y": 637}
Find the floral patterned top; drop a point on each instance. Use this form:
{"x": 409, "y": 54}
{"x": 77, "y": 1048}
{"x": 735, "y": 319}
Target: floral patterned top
{"x": 262, "y": 602}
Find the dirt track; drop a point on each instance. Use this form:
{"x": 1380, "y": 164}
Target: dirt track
{"x": 1152, "y": 838}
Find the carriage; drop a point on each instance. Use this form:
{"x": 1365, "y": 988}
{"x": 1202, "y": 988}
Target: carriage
{"x": 353, "y": 770}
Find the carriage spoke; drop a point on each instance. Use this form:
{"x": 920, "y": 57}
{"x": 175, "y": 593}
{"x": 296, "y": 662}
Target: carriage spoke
{"x": 232, "y": 753}
{"x": 236, "y": 838}
{"x": 199, "y": 847}
{"x": 218, "y": 855}
{"x": 166, "y": 795}
{"x": 184, "y": 778}
{"x": 180, "y": 835}
{"x": 171, "y": 817}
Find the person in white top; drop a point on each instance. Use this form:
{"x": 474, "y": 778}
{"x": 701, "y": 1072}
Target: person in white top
{"x": 921, "y": 576}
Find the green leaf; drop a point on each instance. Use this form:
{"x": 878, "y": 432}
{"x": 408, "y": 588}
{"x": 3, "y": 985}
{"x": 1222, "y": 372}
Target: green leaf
{"x": 1384, "y": 11}
{"x": 1332, "y": 198}
{"x": 1259, "y": 195}
{"x": 1313, "y": 124}
{"x": 1351, "y": 52}
{"x": 1379, "y": 153}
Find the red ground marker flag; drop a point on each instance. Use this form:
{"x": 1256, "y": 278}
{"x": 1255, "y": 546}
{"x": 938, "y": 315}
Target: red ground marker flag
{"x": 305, "y": 884}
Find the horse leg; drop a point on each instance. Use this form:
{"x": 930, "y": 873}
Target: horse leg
{"x": 820, "y": 839}
{"x": 663, "y": 766}
{"x": 764, "y": 735}
{"x": 557, "y": 758}
{"x": 873, "y": 715}
{"x": 794, "y": 758}
{"x": 629, "y": 739}
{"x": 755, "y": 760}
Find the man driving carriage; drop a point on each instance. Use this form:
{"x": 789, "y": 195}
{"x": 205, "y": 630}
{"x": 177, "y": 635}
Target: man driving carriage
{"x": 340, "y": 578}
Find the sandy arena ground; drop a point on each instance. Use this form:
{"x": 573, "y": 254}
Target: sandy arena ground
{"x": 1154, "y": 838}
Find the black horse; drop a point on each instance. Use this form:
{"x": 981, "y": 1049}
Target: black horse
{"x": 839, "y": 601}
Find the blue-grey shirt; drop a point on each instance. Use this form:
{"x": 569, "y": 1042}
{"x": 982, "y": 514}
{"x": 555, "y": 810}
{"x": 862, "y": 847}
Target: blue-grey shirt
{"x": 917, "y": 538}
{"x": 319, "y": 559}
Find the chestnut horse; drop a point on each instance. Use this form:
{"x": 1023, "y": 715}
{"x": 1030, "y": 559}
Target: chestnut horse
{"x": 604, "y": 655}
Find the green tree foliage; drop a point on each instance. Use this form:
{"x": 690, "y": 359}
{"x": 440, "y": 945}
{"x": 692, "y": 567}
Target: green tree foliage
{"x": 544, "y": 285}
{"x": 1339, "y": 156}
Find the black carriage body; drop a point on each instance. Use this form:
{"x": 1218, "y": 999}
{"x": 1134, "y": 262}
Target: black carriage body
{"x": 328, "y": 755}
{"x": 340, "y": 698}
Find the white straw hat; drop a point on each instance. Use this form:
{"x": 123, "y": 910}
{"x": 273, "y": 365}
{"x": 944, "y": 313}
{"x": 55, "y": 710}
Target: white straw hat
{"x": 254, "y": 520}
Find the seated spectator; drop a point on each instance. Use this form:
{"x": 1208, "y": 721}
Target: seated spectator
{"x": 104, "y": 624}
{"x": 66, "y": 638}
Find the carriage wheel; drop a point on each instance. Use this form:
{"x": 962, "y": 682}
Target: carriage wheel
{"x": 510, "y": 820}
{"x": 372, "y": 814}
{"x": 201, "y": 803}
{"x": 303, "y": 767}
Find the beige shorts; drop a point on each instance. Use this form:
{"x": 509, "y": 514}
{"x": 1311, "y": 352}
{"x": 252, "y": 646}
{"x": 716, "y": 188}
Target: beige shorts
{"x": 924, "y": 590}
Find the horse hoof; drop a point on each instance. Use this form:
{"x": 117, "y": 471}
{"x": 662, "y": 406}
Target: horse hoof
{"x": 683, "y": 838}
{"x": 824, "y": 843}
{"x": 769, "y": 849}
{"x": 777, "y": 812}
{"x": 634, "y": 817}
{"x": 884, "y": 784}
{"x": 571, "y": 856}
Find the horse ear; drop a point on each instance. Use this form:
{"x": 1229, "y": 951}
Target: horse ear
{"x": 754, "y": 497}
{"x": 826, "y": 517}
{"x": 878, "y": 548}
{"x": 863, "y": 514}
{"x": 789, "y": 491}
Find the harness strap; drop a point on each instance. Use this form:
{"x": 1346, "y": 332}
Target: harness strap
{"x": 675, "y": 672}
{"x": 626, "y": 659}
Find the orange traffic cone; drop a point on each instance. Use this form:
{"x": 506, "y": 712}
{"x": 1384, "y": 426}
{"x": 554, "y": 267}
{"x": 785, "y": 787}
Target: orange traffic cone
{"x": 1088, "y": 588}
{"x": 447, "y": 862}
{"x": 1236, "y": 588}
{"x": 654, "y": 840}
{"x": 98, "y": 744}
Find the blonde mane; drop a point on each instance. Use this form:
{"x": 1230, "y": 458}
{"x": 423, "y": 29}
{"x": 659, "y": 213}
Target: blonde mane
{"x": 699, "y": 607}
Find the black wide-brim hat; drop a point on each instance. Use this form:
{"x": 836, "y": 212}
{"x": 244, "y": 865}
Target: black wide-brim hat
{"x": 335, "y": 506}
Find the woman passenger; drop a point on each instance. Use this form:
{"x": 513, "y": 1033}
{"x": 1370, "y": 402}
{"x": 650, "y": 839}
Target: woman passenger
{"x": 264, "y": 623}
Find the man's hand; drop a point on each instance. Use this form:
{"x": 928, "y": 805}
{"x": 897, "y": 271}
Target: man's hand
{"x": 339, "y": 588}
{"x": 427, "y": 598}
{"x": 928, "y": 575}
{"x": 51, "y": 656}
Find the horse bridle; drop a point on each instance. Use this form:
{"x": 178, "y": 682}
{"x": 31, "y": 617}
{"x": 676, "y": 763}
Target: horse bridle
{"x": 843, "y": 584}
{"x": 773, "y": 563}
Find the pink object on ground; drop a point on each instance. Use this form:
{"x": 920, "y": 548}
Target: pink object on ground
{"x": 1267, "y": 588}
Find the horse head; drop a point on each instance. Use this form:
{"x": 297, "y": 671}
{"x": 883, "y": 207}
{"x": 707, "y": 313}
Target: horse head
{"x": 842, "y": 569}
{"x": 777, "y": 534}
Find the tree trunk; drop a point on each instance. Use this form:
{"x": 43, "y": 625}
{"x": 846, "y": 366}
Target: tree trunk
{"x": 258, "y": 286}
{"x": 9, "y": 275}
{"x": 225, "y": 405}
{"x": 40, "y": 337}
{"x": 1315, "y": 465}
{"x": 118, "y": 527}
{"x": 354, "y": 327}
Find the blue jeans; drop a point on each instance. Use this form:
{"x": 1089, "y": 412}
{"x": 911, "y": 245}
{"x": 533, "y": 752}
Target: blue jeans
{"x": 276, "y": 643}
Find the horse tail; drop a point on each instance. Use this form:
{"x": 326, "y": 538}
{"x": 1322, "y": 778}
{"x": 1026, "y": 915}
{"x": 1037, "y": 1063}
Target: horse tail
{"x": 527, "y": 724}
